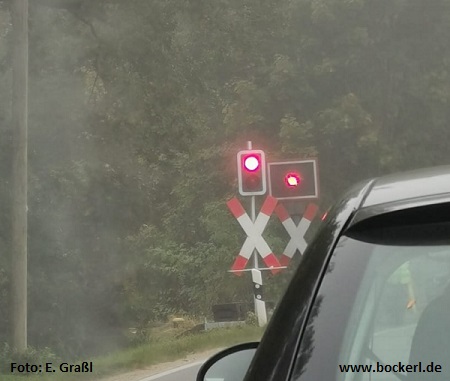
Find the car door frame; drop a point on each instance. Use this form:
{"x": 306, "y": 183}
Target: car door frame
{"x": 277, "y": 354}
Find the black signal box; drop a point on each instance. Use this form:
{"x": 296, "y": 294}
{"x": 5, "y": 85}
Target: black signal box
{"x": 294, "y": 180}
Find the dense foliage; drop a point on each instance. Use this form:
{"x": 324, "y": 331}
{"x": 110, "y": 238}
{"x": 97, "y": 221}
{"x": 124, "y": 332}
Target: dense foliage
{"x": 137, "y": 109}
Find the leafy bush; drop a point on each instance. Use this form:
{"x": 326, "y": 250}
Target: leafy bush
{"x": 31, "y": 355}
{"x": 251, "y": 319}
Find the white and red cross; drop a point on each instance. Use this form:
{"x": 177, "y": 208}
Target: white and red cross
{"x": 254, "y": 232}
{"x": 296, "y": 232}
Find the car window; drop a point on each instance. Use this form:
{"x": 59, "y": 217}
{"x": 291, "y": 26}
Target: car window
{"x": 379, "y": 309}
{"x": 396, "y": 308}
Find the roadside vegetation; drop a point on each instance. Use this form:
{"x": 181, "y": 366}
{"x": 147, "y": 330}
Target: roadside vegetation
{"x": 136, "y": 112}
{"x": 169, "y": 345}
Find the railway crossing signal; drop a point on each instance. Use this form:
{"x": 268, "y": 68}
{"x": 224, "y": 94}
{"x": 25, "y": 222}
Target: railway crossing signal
{"x": 251, "y": 165}
{"x": 296, "y": 232}
{"x": 294, "y": 180}
{"x": 254, "y": 238}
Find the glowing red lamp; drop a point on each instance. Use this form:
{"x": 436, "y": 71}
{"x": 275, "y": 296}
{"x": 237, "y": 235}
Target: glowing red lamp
{"x": 292, "y": 180}
{"x": 251, "y": 163}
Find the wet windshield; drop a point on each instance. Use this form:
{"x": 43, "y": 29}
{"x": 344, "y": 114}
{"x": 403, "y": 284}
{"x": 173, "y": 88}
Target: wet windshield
{"x": 390, "y": 305}
{"x": 165, "y": 164}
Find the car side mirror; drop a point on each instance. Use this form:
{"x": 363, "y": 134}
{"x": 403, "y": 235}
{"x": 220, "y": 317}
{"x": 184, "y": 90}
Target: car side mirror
{"x": 228, "y": 365}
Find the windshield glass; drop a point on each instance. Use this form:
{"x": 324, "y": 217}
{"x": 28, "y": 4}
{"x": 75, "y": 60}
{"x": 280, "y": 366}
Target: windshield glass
{"x": 153, "y": 153}
{"x": 381, "y": 313}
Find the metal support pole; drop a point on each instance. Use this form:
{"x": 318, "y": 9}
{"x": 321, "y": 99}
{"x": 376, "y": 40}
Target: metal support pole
{"x": 260, "y": 305}
{"x": 253, "y": 217}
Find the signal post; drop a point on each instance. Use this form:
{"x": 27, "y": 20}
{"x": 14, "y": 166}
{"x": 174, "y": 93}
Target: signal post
{"x": 252, "y": 181}
{"x": 290, "y": 182}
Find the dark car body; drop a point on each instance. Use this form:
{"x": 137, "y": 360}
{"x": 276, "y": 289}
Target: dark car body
{"x": 311, "y": 333}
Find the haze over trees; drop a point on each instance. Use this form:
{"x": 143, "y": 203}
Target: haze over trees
{"x": 137, "y": 109}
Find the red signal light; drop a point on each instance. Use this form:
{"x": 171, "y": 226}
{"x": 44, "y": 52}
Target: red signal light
{"x": 292, "y": 179}
{"x": 251, "y": 168}
{"x": 251, "y": 163}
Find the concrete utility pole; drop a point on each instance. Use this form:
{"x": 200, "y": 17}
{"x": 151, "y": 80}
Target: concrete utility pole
{"x": 19, "y": 16}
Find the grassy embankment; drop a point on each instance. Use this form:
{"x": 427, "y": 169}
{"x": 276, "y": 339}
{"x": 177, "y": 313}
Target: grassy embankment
{"x": 163, "y": 349}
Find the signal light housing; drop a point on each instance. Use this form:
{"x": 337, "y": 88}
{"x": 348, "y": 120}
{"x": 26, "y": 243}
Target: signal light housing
{"x": 251, "y": 172}
{"x": 294, "y": 180}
